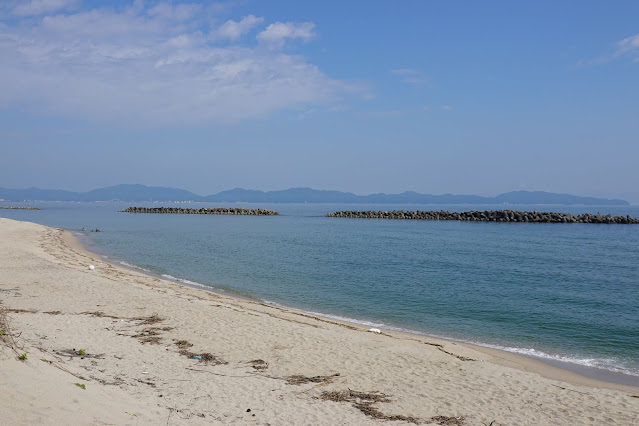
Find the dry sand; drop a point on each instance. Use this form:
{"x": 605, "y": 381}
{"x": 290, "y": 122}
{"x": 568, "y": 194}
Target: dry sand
{"x": 260, "y": 364}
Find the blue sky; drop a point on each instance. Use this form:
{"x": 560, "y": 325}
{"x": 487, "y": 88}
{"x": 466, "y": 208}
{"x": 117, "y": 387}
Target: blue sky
{"x": 361, "y": 96}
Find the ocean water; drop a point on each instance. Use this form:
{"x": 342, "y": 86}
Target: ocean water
{"x": 565, "y": 293}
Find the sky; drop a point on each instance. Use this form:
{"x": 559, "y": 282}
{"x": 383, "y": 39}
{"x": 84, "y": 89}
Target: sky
{"x": 364, "y": 96}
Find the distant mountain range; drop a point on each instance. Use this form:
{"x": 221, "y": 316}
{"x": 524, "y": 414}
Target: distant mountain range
{"x": 295, "y": 195}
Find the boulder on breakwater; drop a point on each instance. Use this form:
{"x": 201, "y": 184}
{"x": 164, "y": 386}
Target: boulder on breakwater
{"x": 216, "y": 210}
{"x": 489, "y": 216}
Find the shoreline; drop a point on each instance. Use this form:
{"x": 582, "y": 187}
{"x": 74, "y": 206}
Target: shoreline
{"x": 549, "y": 368}
{"x": 154, "y": 351}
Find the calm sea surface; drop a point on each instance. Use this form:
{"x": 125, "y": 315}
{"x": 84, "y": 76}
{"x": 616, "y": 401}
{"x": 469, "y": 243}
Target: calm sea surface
{"x": 567, "y": 293}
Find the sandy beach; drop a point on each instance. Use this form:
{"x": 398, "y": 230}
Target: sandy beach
{"x": 113, "y": 346}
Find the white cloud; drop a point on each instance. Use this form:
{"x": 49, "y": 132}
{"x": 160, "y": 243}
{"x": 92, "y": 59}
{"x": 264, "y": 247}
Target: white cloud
{"x": 38, "y": 7}
{"x": 628, "y": 44}
{"x": 628, "y": 47}
{"x": 233, "y": 30}
{"x": 276, "y": 34}
{"x": 153, "y": 67}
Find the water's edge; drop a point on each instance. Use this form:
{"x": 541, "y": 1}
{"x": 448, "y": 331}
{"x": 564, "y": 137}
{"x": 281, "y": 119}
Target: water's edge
{"x": 584, "y": 371}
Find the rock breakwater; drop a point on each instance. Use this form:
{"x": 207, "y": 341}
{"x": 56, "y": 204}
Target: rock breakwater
{"x": 216, "y": 210}
{"x": 18, "y": 208}
{"x": 489, "y": 216}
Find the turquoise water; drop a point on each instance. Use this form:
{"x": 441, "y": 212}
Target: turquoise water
{"x": 562, "y": 292}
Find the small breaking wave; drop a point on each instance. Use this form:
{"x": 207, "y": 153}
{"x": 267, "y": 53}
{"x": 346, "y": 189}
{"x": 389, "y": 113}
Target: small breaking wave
{"x": 610, "y": 364}
{"x": 130, "y": 266}
{"x": 185, "y": 281}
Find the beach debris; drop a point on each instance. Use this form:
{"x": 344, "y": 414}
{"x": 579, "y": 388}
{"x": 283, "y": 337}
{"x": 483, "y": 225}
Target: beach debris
{"x": 375, "y": 330}
{"x": 7, "y": 338}
{"x": 74, "y": 353}
{"x": 20, "y": 311}
{"x": 91, "y": 267}
{"x": 444, "y": 420}
{"x": 364, "y": 401}
{"x": 151, "y": 335}
{"x": 206, "y": 358}
{"x": 298, "y": 379}
{"x": 183, "y": 344}
{"x": 152, "y": 319}
{"x": 258, "y": 364}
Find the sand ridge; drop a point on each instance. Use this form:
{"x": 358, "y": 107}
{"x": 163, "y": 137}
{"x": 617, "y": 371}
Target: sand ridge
{"x": 151, "y": 351}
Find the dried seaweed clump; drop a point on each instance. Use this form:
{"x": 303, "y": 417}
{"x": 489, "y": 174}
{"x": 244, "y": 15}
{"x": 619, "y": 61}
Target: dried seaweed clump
{"x": 151, "y": 335}
{"x": 258, "y": 364}
{"x": 444, "y": 420}
{"x": 205, "y": 357}
{"x": 183, "y": 344}
{"x": 100, "y": 314}
{"x": 150, "y": 320}
{"x": 6, "y": 336}
{"x": 300, "y": 380}
{"x": 21, "y": 311}
{"x": 364, "y": 401}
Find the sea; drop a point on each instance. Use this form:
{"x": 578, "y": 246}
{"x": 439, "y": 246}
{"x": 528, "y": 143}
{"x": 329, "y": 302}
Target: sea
{"x": 567, "y": 294}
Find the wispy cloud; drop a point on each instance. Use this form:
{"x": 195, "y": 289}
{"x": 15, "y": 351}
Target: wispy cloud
{"x": 154, "y": 66}
{"x": 233, "y": 30}
{"x": 39, "y": 7}
{"x": 411, "y": 76}
{"x": 628, "y": 48}
{"x": 276, "y": 34}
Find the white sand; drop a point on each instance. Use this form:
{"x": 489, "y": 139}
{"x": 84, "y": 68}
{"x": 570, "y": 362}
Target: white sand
{"x": 130, "y": 381}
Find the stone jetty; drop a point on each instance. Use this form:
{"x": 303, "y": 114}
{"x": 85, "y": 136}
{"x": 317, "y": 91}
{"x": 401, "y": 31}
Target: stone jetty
{"x": 19, "y": 208}
{"x": 216, "y": 210}
{"x": 489, "y": 216}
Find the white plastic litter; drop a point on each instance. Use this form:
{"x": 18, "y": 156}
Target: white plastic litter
{"x": 91, "y": 267}
{"x": 375, "y": 330}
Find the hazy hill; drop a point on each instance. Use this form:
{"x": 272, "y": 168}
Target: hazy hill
{"x": 139, "y": 193}
{"x": 295, "y": 195}
{"x": 117, "y": 192}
